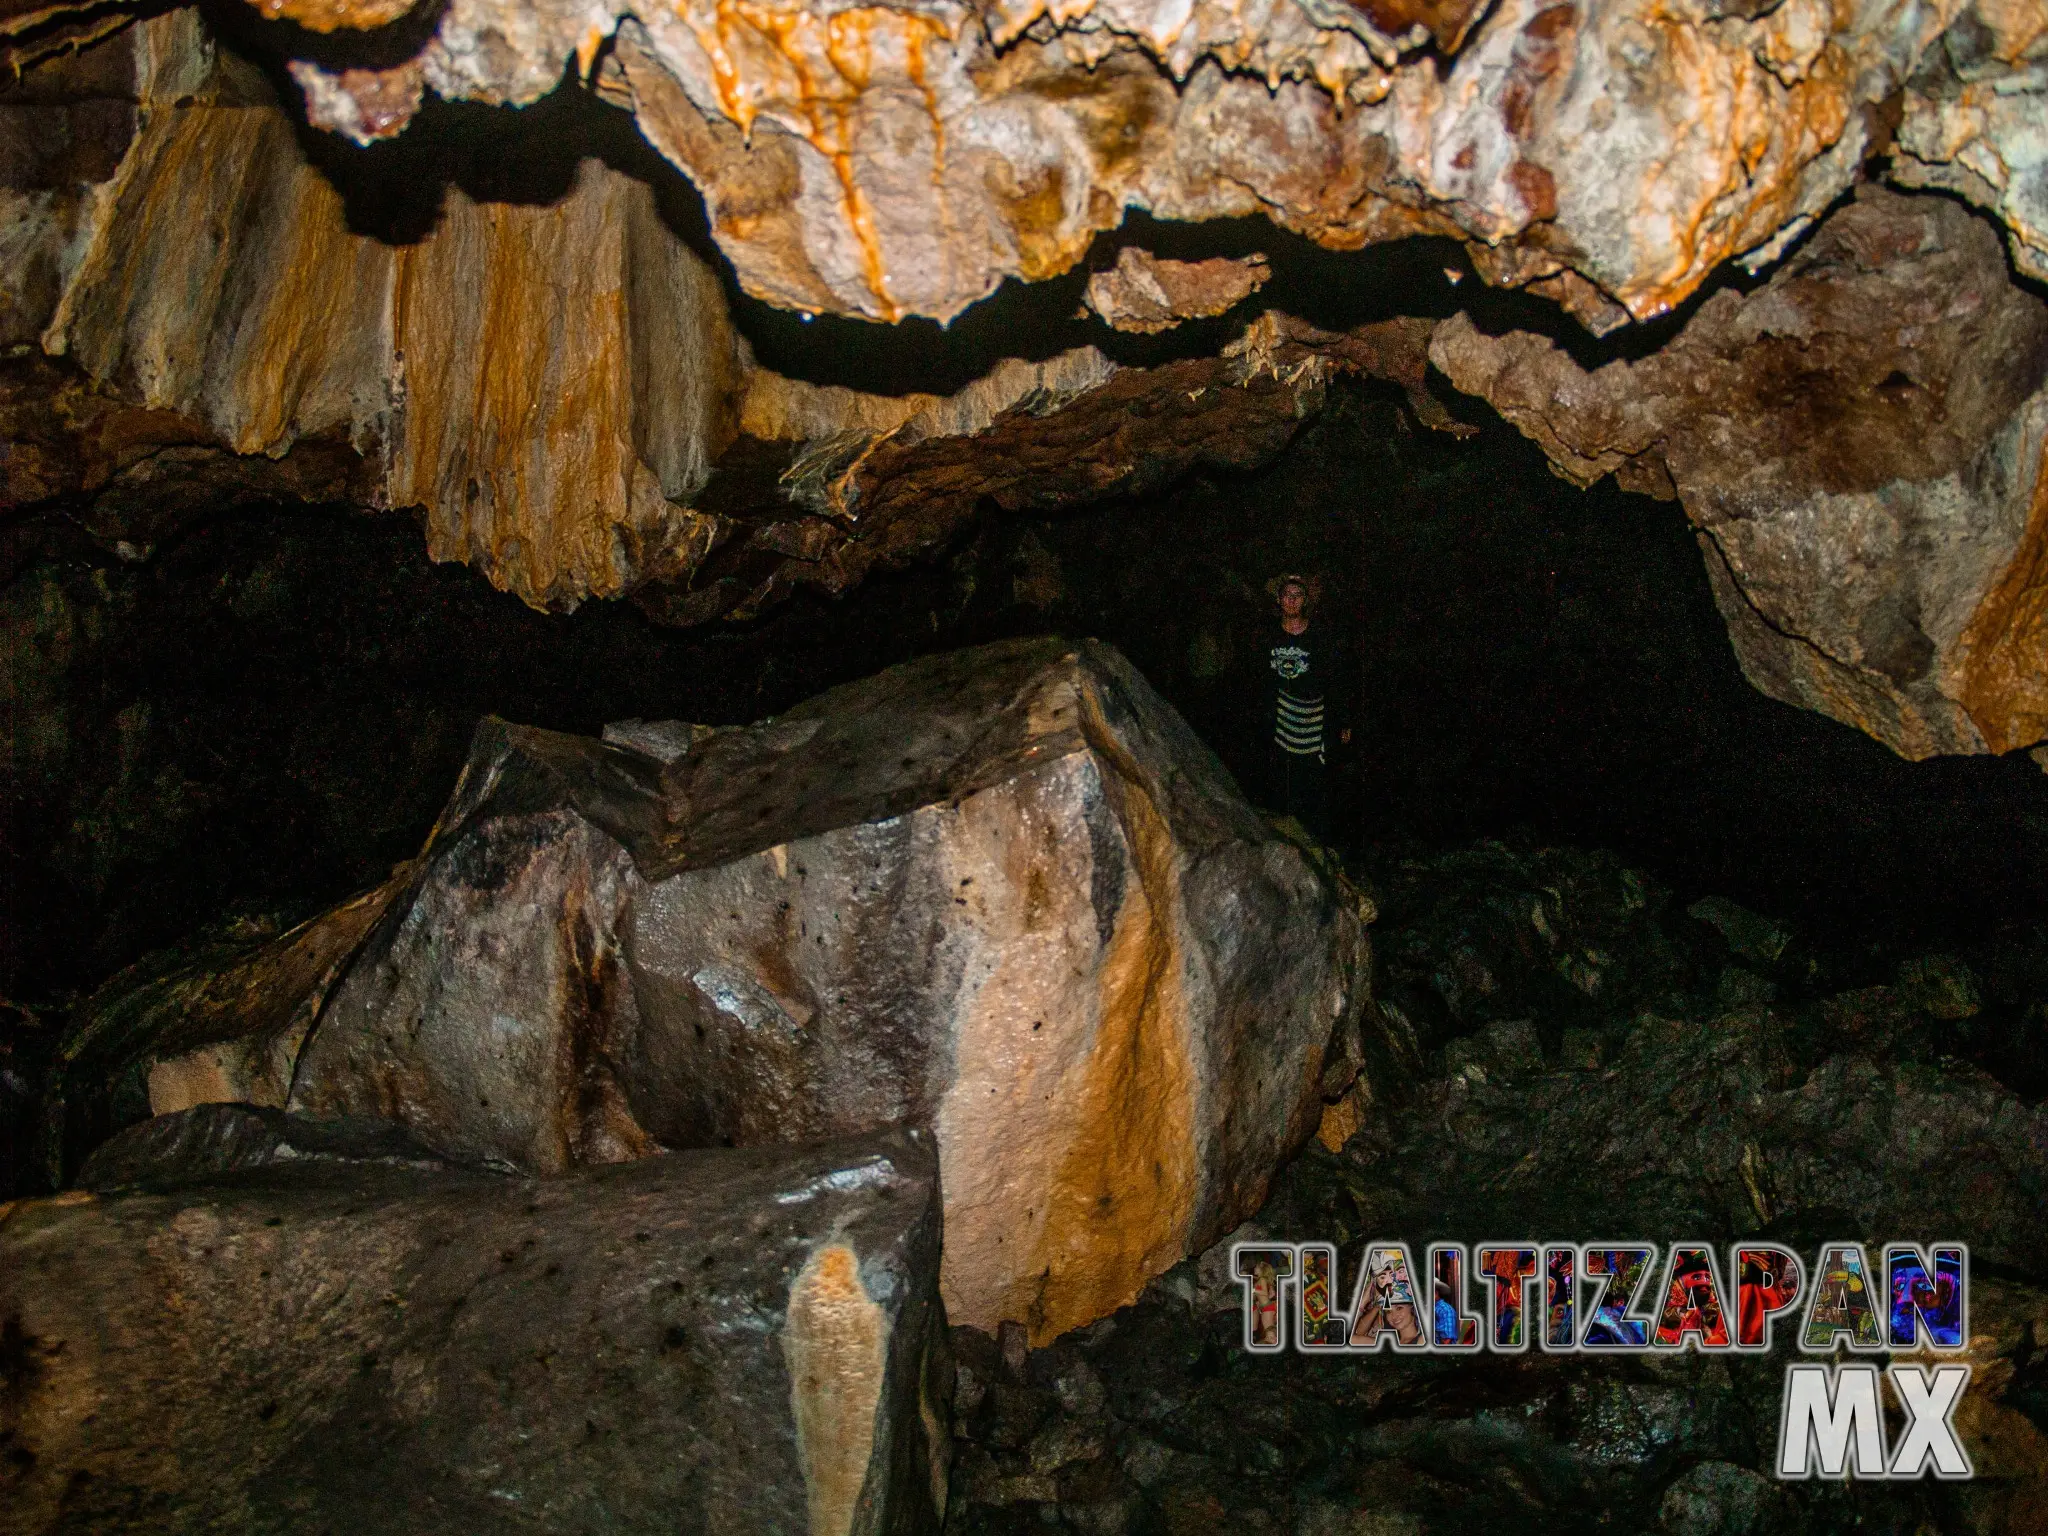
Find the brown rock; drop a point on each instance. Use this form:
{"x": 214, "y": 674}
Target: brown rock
{"x": 553, "y": 386}
{"x": 1149, "y": 294}
{"x": 1860, "y": 446}
{"x": 899, "y": 159}
{"x": 199, "y": 1145}
{"x": 549, "y": 443}
{"x": 224, "y": 1024}
{"x": 1971, "y": 124}
{"x": 1005, "y": 893}
{"x": 725, "y": 1341}
{"x": 2007, "y": 1449}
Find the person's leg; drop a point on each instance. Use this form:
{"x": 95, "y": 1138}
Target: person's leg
{"x": 1312, "y": 797}
{"x": 1286, "y": 783}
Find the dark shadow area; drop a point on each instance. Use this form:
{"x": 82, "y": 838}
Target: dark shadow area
{"x": 1539, "y": 658}
{"x": 271, "y": 711}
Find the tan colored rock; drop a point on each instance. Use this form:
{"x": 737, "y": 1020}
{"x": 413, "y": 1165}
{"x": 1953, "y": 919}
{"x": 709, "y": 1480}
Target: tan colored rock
{"x": 65, "y": 128}
{"x": 550, "y": 443}
{"x": 1975, "y": 122}
{"x": 1005, "y": 893}
{"x": 553, "y": 386}
{"x": 891, "y": 159}
{"x": 1148, "y": 294}
{"x": 222, "y": 1025}
{"x": 1860, "y": 444}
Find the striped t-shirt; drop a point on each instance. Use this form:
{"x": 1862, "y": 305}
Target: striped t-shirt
{"x": 1298, "y": 725}
{"x": 1297, "y": 692}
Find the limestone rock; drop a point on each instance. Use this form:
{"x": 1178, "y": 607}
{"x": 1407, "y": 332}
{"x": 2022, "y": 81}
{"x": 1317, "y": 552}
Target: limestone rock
{"x": 1149, "y": 294}
{"x": 902, "y": 159}
{"x": 489, "y": 1009}
{"x": 663, "y": 739}
{"x": 558, "y": 387}
{"x": 1859, "y": 444}
{"x": 734, "y": 1341}
{"x": 1972, "y": 122}
{"x": 430, "y": 358}
{"x": 899, "y": 159}
{"x": 1005, "y": 893}
{"x": 65, "y": 129}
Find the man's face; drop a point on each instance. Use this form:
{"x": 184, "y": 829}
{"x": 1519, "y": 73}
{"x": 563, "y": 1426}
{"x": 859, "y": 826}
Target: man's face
{"x": 1292, "y": 600}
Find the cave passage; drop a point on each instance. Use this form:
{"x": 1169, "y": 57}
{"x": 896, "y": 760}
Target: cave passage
{"x": 1557, "y": 758}
{"x": 269, "y": 713}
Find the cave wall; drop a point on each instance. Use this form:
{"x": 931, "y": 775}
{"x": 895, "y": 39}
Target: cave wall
{"x": 1533, "y": 657}
{"x": 214, "y": 305}
{"x": 214, "y": 278}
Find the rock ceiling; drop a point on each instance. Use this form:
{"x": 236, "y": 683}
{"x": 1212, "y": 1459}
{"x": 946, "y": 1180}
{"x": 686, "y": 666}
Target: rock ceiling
{"x": 192, "y": 310}
{"x": 891, "y": 160}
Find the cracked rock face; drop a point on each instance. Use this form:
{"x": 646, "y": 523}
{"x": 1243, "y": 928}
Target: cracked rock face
{"x": 558, "y": 386}
{"x": 736, "y": 1340}
{"x": 560, "y": 391}
{"x": 1004, "y": 893}
{"x": 890, "y": 160}
{"x": 1860, "y": 444}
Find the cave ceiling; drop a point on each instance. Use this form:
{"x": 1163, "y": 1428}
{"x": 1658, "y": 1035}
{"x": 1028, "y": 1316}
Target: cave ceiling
{"x": 1846, "y": 387}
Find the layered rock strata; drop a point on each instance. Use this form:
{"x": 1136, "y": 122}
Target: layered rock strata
{"x": 888, "y": 160}
{"x": 559, "y": 391}
{"x": 736, "y": 1340}
{"x": 1005, "y": 893}
{"x": 1860, "y": 445}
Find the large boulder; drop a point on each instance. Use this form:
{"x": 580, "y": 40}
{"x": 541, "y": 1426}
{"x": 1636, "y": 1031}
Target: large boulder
{"x": 1005, "y": 893}
{"x": 725, "y": 1341}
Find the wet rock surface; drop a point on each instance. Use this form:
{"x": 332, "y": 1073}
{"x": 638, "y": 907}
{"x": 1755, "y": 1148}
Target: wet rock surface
{"x": 903, "y": 163}
{"x": 1147, "y": 293}
{"x": 1584, "y": 1076}
{"x": 565, "y": 288}
{"x": 530, "y": 346}
{"x": 739, "y": 1340}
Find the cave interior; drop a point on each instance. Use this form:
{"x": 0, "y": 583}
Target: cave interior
{"x": 1693, "y": 820}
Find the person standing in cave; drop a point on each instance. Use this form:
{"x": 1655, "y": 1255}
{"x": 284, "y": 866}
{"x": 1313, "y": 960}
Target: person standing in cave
{"x": 1305, "y": 689}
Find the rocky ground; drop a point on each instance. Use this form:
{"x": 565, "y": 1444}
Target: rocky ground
{"x": 1596, "y": 1061}
{"x": 1566, "y": 1052}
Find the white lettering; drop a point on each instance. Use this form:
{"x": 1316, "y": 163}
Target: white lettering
{"x": 1824, "y": 1410}
{"x": 1930, "y": 1403}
